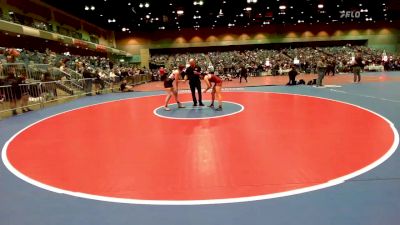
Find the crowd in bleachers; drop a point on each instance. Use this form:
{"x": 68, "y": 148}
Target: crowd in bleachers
{"x": 34, "y": 22}
{"x": 99, "y": 66}
{"x": 23, "y": 73}
{"x": 276, "y": 62}
{"x": 183, "y": 59}
{"x": 159, "y": 60}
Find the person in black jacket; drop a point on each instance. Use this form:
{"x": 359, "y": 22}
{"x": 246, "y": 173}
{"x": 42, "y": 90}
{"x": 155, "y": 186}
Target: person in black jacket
{"x": 14, "y": 93}
{"x": 292, "y": 75}
{"x": 243, "y": 73}
{"x": 88, "y": 80}
{"x": 357, "y": 66}
{"x": 193, "y": 73}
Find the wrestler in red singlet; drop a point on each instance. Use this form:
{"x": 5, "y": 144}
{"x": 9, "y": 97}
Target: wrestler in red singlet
{"x": 216, "y": 89}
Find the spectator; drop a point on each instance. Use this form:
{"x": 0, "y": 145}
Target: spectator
{"x": 292, "y": 75}
{"x": 124, "y": 87}
{"x": 321, "y": 69}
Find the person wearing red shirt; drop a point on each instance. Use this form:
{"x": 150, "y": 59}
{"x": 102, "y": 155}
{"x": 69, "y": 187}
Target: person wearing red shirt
{"x": 216, "y": 89}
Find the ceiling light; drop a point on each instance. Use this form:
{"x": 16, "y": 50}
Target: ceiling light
{"x": 129, "y": 3}
{"x": 198, "y": 2}
{"x": 86, "y": 8}
{"x": 141, "y": 5}
{"x": 92, "y": 8}
{"x": 147, "y": 5}
{"x": 282, "y": 7}
{"x": 179, "y": 12}
{"x": 248, "y": 9}
{"x": 320, "y": 6}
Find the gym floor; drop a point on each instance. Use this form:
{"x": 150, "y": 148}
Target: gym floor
{"x": 274, "y": 155}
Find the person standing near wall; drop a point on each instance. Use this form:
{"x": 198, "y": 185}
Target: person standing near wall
{"x": 357, "y": 66}
{"x": 292, "y": 75}
{"x": 243, "y": 73}
{"x": 88, "y": 80}
{"x": 321, "y": 69}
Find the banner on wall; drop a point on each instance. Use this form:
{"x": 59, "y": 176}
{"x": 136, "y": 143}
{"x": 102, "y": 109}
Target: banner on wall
{"x": 31, "y": 31}
{"x": 135, "y": 59}
{"x": 101, "y": 48}
{"x": 64, "y": 39}
{"x": 80, "y": 43}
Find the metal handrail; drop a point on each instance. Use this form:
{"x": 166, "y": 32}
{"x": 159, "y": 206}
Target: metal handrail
{"x": 38, "y": 94}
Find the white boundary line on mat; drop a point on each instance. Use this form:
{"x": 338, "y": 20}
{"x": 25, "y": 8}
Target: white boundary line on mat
{"x": 330, "y": 183}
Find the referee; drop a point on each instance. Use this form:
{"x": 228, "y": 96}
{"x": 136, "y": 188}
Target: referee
{"x": 193, "y": 73}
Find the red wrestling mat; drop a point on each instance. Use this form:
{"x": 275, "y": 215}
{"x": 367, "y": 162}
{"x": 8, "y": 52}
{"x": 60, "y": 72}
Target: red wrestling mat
{"x": 279, "y": 143}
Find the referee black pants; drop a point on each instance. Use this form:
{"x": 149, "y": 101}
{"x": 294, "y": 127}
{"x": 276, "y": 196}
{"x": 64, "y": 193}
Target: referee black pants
{"x": 193, "y": 87}
{"x": 292, "y": 80}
